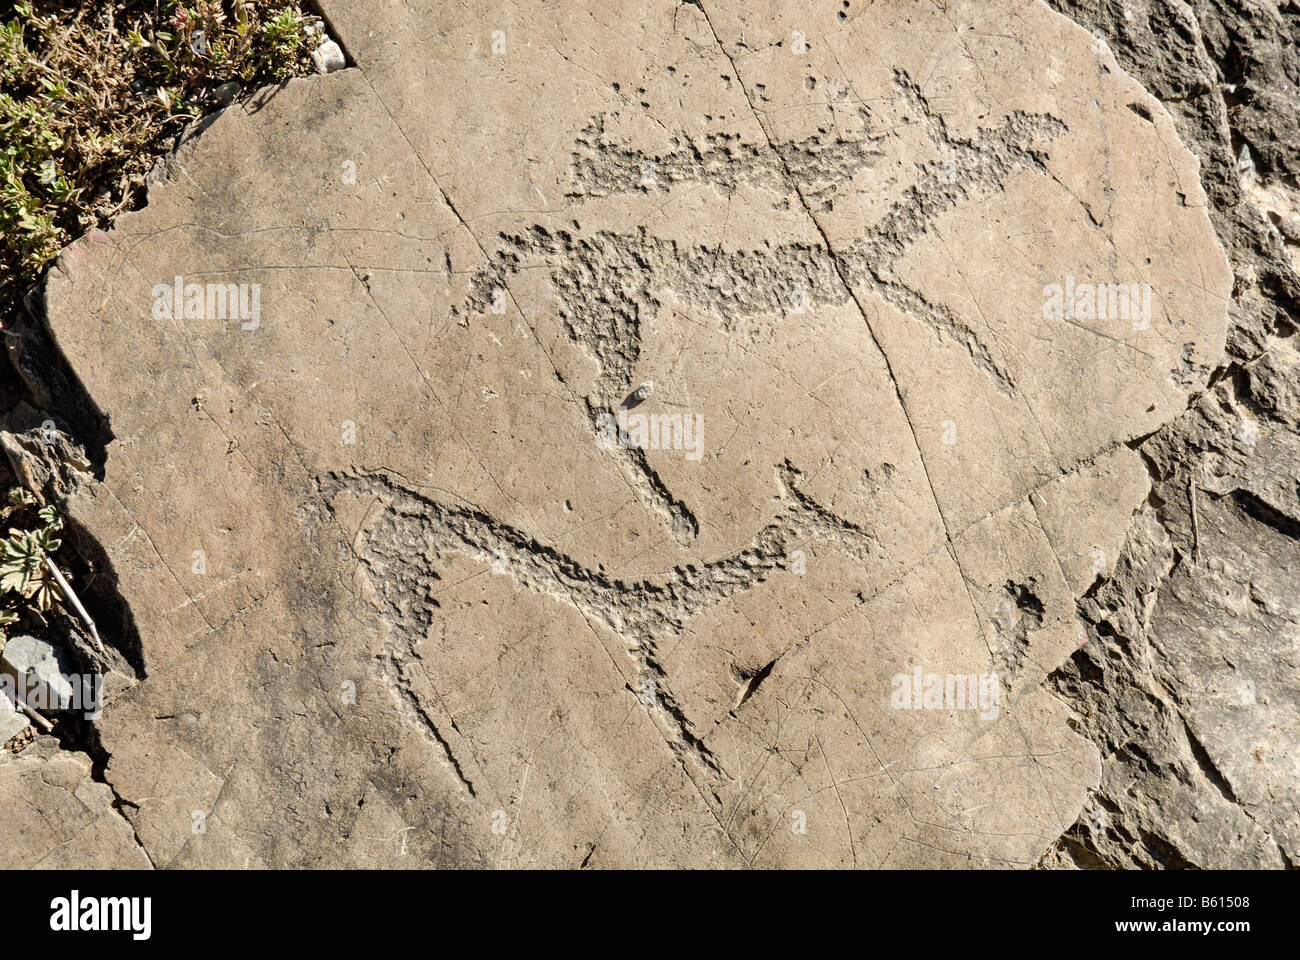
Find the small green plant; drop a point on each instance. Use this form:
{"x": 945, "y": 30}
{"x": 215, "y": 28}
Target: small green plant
{"x": 23, "y": 559}
{"x": 92, "y": 93}
{"x": 30, "y": 579}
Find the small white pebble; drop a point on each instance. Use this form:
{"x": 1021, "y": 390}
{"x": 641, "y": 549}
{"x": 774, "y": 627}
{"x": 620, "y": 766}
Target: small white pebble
{"x": 328, "y": 57}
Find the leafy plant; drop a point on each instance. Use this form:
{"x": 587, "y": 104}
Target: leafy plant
{"x": 92, "y": 93}
{"x": 23, "y": 556}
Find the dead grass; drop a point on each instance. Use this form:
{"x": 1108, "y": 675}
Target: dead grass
{"x": 91, "y": 94}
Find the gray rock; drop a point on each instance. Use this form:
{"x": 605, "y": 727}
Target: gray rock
{"x": 227, "y": 92}
{"x": 41, "y": 669}
{"x": 1188, "y": 683}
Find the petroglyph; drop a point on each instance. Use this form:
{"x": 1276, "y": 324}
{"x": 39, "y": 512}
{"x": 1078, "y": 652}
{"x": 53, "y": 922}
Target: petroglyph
{"x": 416, "y": 524}
{"x": 815, "y": 165}
{"x": 429, "y": 584}
{"x": 609, "y": 284}
{"x": 966, "y": 170}
{"x": 402, "y": 545}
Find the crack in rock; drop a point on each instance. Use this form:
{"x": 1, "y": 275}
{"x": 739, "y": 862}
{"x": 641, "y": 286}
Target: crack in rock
{"x": 609, "y": 284}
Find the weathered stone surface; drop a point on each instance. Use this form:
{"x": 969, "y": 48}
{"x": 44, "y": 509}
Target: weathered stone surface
{"x": 38, "y": 667}
{"x": 1116, "y": 482}
{"x": 406, "y": 596}
{"x": 1191, "y": 684}
{"x": 12, "y": 720}
{"x": 53, "y": 815}
{"x": 1191, "y": 679}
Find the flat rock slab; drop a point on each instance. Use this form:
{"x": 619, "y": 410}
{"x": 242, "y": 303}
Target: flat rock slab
{"x": 54, "y": 815}
{"x": 418, "y": 581}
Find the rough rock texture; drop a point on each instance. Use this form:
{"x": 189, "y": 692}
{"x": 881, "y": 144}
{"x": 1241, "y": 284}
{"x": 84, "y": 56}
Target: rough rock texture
{"x": 38, "y": 667}
{"x": 408, "y": 587}
{"x": 1191, "y": 686}
{"x": 55, "y": 816}
{"x": 12, "y": 720}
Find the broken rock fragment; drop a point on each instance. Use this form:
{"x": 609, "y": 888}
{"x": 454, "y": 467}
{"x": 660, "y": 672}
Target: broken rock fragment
{"x": 12, "y": 720}
{"x": 77, "y": 827}
{"x": 41, "y": 670}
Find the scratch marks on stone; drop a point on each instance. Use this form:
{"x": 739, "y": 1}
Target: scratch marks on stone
{"x": 397, "y": 670}
{"x": 965, "y": 170}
